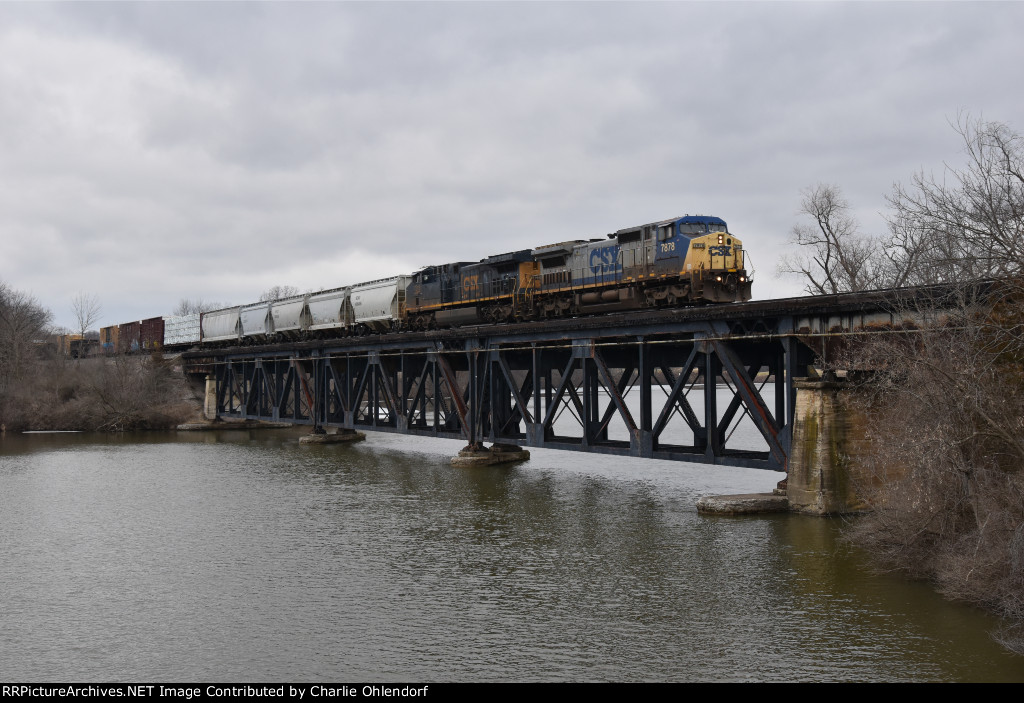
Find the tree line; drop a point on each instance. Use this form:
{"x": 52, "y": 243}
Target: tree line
{"x": 943, "y": 397}
{"x": 40, "y": 388}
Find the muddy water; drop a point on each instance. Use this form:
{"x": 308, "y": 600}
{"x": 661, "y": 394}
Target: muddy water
{"x": 246, "y": 556}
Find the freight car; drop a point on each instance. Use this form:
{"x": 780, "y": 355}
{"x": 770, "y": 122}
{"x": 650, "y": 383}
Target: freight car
{"x": 374, "y": 306}
{"x": 681, "y": 261}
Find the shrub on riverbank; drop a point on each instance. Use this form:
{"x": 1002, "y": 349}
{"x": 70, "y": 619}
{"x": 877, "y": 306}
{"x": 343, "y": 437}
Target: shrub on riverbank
{"x": 108, "y": 394}
{"x": 945, "y": 409}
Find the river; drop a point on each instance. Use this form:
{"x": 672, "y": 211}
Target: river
{"x": 245, "y": 556}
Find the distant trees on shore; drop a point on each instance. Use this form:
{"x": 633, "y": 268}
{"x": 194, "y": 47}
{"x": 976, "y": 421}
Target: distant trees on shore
{"x": 23, "y": 322}
{"x": 40, "y": 389}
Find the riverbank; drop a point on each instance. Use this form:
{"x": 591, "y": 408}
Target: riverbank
{"x": 101, "y": 394}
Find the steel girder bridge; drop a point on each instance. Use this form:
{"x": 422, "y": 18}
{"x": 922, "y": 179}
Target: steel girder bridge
{"x": 669, "y": 384}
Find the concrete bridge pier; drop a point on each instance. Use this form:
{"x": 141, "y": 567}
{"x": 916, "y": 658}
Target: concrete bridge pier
{"x": 210, "y": 399}
{"x": 475, "y": 454}
{"x": 827, "y": 432}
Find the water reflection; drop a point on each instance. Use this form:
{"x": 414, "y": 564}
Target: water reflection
{"x": 245, "y": 555}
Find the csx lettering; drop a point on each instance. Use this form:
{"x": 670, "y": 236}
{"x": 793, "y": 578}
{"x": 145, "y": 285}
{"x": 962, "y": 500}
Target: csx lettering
{"x": 469, "y": 282}
{"x": 723, "y": 250}
{"x": 604, "y": 259}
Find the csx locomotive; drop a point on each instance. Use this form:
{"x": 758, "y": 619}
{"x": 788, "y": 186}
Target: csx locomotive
{"x": 682, "y": 261}
{"x": 685, "y": 260}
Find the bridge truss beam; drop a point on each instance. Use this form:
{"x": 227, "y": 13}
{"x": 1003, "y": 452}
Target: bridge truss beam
{"x": 677, "y": 395}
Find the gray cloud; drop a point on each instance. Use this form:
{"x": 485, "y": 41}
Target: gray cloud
{"x": 158, "y": 151}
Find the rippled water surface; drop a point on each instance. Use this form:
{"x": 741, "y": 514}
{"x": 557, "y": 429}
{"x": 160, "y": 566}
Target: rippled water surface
{"x": 246, "y": 556}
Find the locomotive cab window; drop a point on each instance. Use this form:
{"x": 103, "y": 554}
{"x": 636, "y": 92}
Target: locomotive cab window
{"x": 664, "y": 233}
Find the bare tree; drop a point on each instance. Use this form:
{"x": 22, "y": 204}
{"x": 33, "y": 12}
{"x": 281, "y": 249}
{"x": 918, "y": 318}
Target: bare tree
{"x": 278, "y": 292}
{"x": 188, "y": 306}
{"x": 944, "y": 401}
{"x": 87, "y": 310}
{"x": 968, "y": 223}
{"x": 23, "y": 321}
{"x": 833, "y": 257}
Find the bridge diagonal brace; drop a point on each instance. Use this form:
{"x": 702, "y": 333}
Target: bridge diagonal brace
{"x": 461, "y": 409}
{"x": 737, "y": 401}
{"x": 230, "y": 395}
{"x": 362, "y": 389}
{"x": 514, "y": 387}
{"x": 556, "y": 399}
{"x": 268, "y": 387}
{"x": 759, "y": 412}
{"x": 478, "y": 381}
{"x": 417, "y": 392}
{"x": 289, "y": 392}
{"x": 615, "y": 391}
{"x": 337, "y": 392}
{"x": 526, "y": 392}
{"x": 611, "y": 409}
{"x": 257, "y": 390}
{"x": 577, "y": 402}
{"x": 390, "y": 393}
{"x": 676, "y": 397}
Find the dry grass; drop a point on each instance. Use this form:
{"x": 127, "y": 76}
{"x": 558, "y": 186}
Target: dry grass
{"x": 111, "y": 394}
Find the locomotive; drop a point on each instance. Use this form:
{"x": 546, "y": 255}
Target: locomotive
{"x": 685, "y": 260}
{"x": 681, "y": 261}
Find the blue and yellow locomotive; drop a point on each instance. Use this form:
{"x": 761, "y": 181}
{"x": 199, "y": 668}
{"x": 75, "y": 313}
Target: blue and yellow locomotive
{"x": 682, "y": 261}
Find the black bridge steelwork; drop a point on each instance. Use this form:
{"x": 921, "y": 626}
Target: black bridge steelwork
{"x": 609, "y": 384}
{"x": 513, "y": 390}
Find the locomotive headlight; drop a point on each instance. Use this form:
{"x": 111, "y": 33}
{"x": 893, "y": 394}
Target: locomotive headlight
{"x": 718, "y": 278}
{"x": 742, "y": 279}
{"x": 721, "y": 238}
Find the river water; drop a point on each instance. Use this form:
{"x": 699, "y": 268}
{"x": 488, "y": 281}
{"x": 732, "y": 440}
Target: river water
{"x": 247, "y": 556}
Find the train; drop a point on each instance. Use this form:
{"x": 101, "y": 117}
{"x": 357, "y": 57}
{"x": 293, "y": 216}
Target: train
{"x": 687, "y": 260}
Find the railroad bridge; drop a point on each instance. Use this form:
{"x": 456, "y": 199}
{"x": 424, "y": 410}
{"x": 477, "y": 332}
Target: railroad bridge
{"x": 668, "y": 384}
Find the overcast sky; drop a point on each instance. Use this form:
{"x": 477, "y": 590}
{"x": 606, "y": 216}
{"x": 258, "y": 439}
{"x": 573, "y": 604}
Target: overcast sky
{"x": 152, "y": 152}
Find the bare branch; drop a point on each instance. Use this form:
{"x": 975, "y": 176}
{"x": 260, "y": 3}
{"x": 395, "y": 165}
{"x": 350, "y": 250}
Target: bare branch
{"x": 87, "y": 309}
{"x": 188, "y": 306}
{"x": 277, "y": 293}
{"x": 833, "y": 257}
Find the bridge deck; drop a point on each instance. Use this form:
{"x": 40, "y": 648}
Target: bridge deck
{"x": 671, "y": 384}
